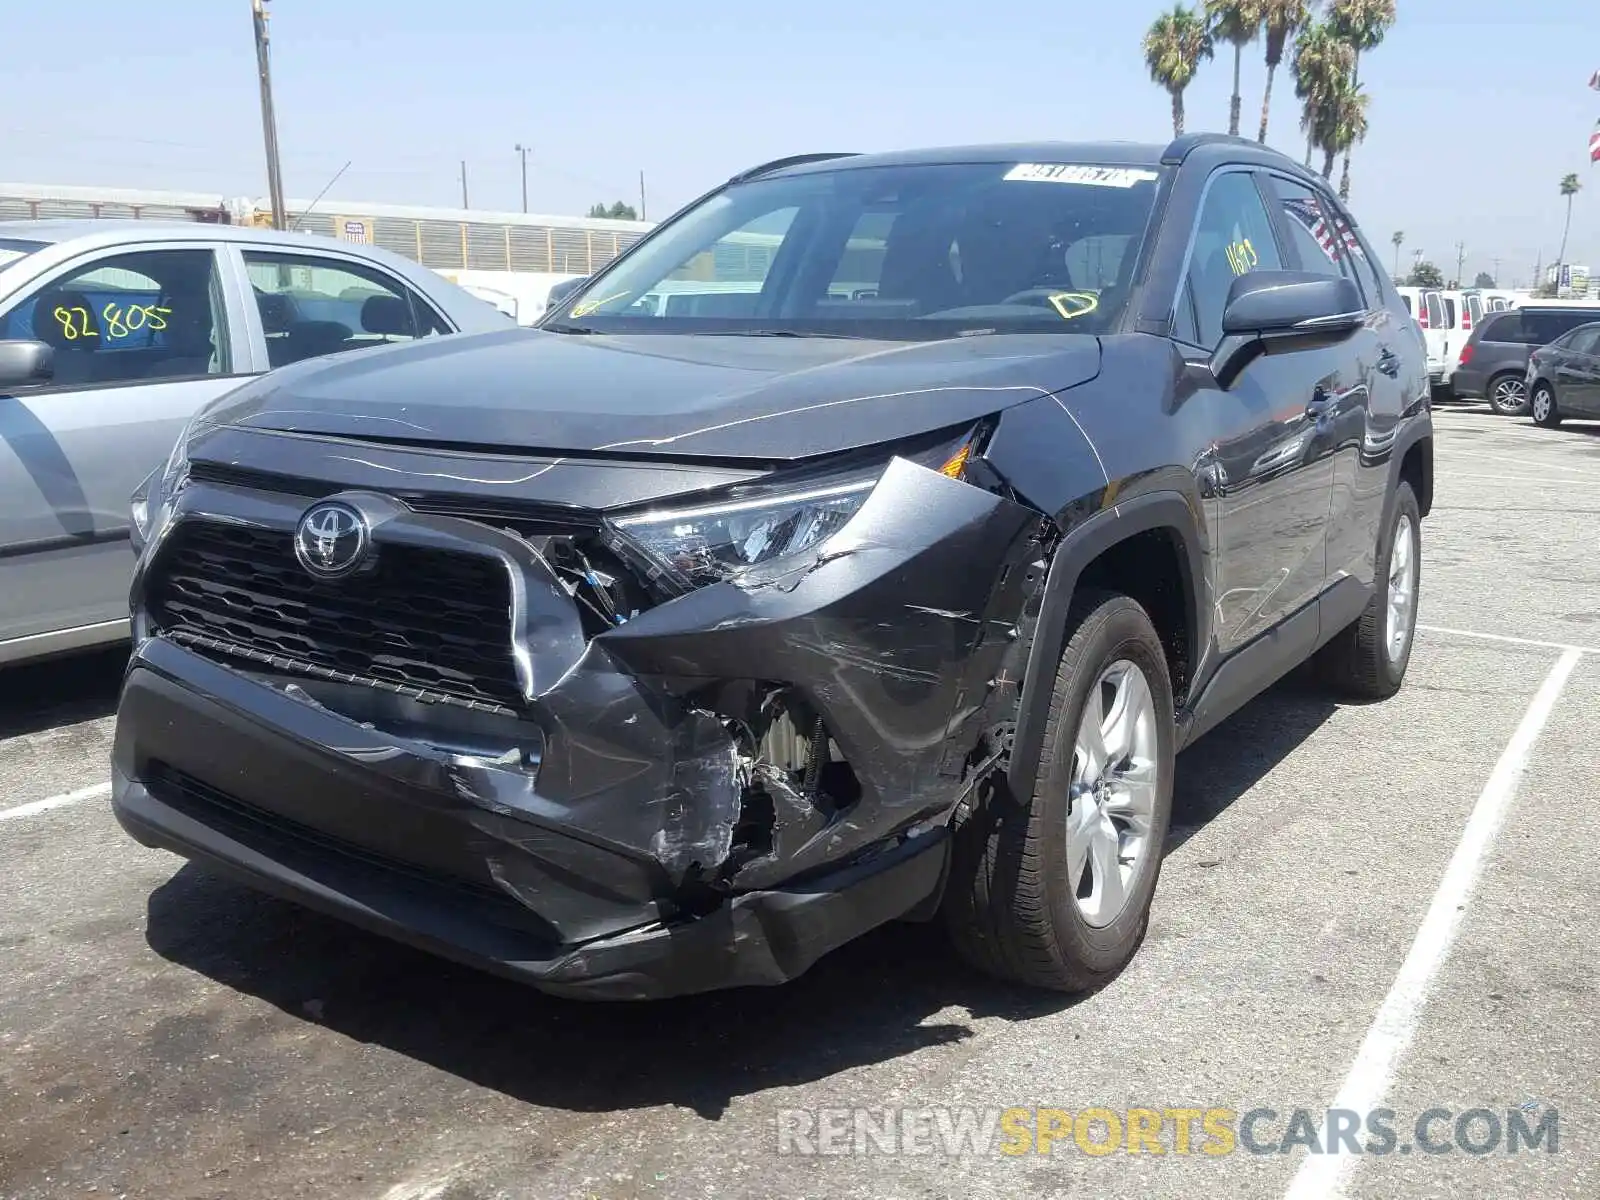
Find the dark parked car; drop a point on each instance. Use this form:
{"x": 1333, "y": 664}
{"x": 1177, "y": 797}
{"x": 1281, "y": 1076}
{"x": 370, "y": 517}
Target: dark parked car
{"x": 1564, "y": 378}
{"x": 1494, "y": 362}
{"x": 644, "y": 653}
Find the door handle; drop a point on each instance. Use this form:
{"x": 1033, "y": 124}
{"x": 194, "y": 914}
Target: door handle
{"x": 1389, "y": 363}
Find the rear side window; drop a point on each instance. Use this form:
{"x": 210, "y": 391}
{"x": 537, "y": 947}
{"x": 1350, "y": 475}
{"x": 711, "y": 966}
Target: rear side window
{"x": 1310, "y": 231}
{"x": 1542, "y": 328}
{"x": 311, "y": 306}
{"x": 1475, "y": 308}
{"x": 1505, "y": 327}
{"x": 1435, "y": 304}
{"x": 1449, "y": 311}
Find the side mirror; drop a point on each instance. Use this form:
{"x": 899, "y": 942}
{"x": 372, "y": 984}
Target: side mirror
{"x": 23, "y": 363}
{"x": 1272, "y": 312}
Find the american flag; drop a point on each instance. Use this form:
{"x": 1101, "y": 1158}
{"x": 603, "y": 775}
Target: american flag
{"x": 1594, "y": 81}
{"x": 1594, "y": 145}
{"x": 1310, "y": 215}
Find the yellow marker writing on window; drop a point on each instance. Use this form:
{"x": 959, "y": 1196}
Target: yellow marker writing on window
{"x": 589, "y": 306}
{"x": 75, "y": 323}
{"x": 1074, "y": 304}
{"x": 1242, "y": 257}
{"x": 120, "y": 322}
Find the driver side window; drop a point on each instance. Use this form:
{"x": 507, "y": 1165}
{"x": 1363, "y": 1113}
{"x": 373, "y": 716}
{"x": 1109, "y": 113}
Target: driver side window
{"x": 1234, "y": 238}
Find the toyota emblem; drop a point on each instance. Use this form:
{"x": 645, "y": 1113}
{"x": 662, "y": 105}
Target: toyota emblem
{"x": 331, "y": 540}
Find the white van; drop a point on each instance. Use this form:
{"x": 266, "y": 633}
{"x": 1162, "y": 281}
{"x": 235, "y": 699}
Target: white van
{"x": 1427, "y": 306}
{"x": 1463, "y": 311}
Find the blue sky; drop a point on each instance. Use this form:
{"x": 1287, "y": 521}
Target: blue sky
{"x": 1478, "y": 106}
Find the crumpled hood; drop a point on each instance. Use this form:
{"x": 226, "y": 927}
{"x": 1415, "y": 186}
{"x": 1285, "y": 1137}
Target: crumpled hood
{"x": 672, "y": 395}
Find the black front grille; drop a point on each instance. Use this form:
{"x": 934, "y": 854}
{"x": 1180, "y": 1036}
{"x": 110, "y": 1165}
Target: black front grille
{"x": 427, "y": 623}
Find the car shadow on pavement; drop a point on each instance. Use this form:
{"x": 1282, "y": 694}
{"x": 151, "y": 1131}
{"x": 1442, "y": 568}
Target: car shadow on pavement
{"x": 884, "y": 996}
{"x": 1236, "y": 755}
{"x": 60, "y": 691}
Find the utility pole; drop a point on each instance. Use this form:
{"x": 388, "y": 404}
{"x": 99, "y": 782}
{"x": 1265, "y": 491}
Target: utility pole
{"x": 269, "y": 123}
{"x": 522, "y": 152}
{"x": 1461, "y": 258}
{"x": 641, "y": 196}
{"x": 464, "y": 203}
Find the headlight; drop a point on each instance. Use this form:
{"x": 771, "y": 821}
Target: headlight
{"x": 158, "y": 486}
{"x": 716, "y": 541}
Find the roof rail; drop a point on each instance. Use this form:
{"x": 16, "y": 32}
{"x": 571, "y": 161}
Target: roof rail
{"x": 794, "y": 160}
{"x": 1178, "y": 149}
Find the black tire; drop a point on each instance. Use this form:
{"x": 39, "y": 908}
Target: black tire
{"x": 1009, "y": 906}
{"x": 1357, "y": 662}
{"x": 1515, "y": 400}
{"x": 1542, "y": 405}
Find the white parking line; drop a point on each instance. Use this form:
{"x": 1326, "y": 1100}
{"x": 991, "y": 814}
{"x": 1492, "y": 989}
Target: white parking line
{"x": 1507, "y": 638}
{"x": 1396, "y": 1023}
{"x": 96, "y": 792}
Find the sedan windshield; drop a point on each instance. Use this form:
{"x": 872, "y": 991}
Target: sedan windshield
{"x": 894, "y": 252}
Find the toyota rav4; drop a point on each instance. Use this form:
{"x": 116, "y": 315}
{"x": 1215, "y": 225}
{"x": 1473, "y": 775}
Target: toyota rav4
{"x": 863, "y": 544}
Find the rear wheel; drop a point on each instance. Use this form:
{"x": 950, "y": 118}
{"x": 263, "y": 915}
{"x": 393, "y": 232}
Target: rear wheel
{"x": 1542, "y": 405}
{"x": 1368, "y": 659}
{"x": 1507, "y": 395}
{"x": 1053, "y": 890}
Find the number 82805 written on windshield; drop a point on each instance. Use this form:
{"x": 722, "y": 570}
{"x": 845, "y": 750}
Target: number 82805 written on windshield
{"x": 118, "y": 321}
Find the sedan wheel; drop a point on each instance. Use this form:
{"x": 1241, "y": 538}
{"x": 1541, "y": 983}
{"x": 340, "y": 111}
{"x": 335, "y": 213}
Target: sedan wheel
{"x": 1543, "y": 407}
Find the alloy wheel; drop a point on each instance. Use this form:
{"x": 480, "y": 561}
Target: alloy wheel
{"x": 1114, "y": 786}
{"x": 1510, "y": 395}
{"x": 1402, "y": 588}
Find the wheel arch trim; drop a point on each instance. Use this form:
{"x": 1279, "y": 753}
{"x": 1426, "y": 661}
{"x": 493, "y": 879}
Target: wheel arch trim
{"x": 1164, "y": 510}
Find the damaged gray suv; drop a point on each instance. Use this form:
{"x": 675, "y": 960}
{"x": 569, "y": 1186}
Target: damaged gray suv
{"x": 861, "y": 545}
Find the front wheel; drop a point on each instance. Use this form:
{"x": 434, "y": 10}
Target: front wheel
{"x": 1542, "y": 405}
{"x": 1508, "y": 395}
{"x": 1368, "y": 659}
{"x": 1053, "y": 890}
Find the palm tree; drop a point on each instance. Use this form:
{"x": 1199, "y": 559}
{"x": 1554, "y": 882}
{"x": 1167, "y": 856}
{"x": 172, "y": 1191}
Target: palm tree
{"x": 1321, "y": 63}
{"x": 1237, "y": 22}
{"x": 1340, "y": 123}
{"x": 1361, "y": 24}
{"x": 1398, "y": 238}
{"x": 1281, "y": 18}
{"x": 1570, "y": 187}
{"x": 1173, "y": 50}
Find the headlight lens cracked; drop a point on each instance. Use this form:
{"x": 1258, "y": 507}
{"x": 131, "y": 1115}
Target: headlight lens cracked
{"x": 714, "y": 542}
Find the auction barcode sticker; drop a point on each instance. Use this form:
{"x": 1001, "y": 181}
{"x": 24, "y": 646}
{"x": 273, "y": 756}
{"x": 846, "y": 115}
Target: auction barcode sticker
{"x": 1120, "y": 177}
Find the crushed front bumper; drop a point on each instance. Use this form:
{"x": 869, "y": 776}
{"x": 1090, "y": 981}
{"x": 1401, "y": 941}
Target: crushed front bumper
{"x": 601, "y": 859}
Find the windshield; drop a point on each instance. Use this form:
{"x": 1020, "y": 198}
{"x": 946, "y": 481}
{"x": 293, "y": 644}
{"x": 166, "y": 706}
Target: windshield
{"x": 900, "y": 253}
{"x": 11, "y": 249}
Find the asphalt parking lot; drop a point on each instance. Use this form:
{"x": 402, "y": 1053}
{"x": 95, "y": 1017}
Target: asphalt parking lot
{"x": 1392, "y": 905}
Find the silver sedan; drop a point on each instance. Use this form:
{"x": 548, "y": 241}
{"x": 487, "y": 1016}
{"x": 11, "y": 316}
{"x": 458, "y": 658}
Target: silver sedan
{"x": 112, "y": 334}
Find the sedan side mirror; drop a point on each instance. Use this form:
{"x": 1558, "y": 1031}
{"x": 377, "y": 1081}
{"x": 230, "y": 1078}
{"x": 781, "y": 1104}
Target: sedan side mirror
{"x": 1272, "y": 312}
{"x": 25, "y": 362}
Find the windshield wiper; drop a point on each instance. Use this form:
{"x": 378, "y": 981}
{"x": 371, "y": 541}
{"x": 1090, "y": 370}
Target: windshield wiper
{"x": 562, "y": 327}
{"x": 787, "y": 333}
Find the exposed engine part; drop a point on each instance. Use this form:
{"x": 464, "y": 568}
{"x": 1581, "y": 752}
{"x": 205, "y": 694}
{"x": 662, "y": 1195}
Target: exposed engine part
{"x": 817, "y": 754}
{"x": 604, "y": 589}
{"x": 802, "y": 755}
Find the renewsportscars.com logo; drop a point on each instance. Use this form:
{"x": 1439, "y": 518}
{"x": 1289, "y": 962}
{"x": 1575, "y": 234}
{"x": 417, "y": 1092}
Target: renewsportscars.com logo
{"x": 1213, "y": 1132}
